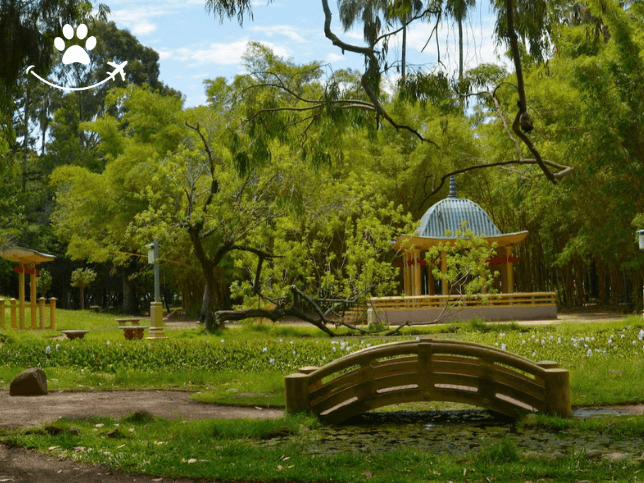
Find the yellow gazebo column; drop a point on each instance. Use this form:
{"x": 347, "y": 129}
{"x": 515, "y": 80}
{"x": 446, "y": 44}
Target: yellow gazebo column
{"x": 21, "y": 298}
{"x": 33, "y": 294}
{"x": 430, "y": 280}
{"x": 508, "y": 268}
{"x": 407, "y": 285}
{"x": 417, "y": 276}
{"x": 444, "y": 284}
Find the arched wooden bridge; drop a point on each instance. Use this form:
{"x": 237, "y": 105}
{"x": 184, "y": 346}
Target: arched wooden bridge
{"x": 429, "y": 370}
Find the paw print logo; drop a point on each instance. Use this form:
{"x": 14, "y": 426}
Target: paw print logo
{"x": 75, "y": 53}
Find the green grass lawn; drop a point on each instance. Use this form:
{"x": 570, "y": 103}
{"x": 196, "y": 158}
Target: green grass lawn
{"x": 606, "y": 361}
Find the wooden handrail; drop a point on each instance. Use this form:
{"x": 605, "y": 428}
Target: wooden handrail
{"x": 429, "y": 370}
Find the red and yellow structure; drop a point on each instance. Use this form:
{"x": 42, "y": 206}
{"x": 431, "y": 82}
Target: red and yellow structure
{"x": 27, "y": 261}
{"x": 423, "y": 299}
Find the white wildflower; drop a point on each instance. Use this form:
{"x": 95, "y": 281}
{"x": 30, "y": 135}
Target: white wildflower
{"x": 264, "y": 350}
{"x": 503, "y": 347}
{"x": 589, "y": 353}
{"x": 47, "y": 349}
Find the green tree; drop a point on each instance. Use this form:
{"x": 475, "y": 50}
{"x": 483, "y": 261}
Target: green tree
{"x": 81, "y": 279}
{"x": 94, "y": 210}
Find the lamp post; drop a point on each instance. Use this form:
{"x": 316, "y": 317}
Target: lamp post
{"x": 156, "y": 307}
{"x": 640, "y": 235}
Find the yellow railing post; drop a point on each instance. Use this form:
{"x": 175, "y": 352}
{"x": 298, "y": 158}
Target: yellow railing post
{"x": 12, "y": 309}
{"x": 297, "y": 392}
{"x": 557, "y": 392}
{"x": 52, "y": 312}
{"x": 32, "y": 298}
{"x": 1, "y": 314}
{"x": 41, "y": 307}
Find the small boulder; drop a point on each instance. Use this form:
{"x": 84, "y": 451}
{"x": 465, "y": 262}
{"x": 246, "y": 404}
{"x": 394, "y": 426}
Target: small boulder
{"x": 32, "y": 382}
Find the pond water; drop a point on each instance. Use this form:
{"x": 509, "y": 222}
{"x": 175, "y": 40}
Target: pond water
{"x": 457, "y": 432}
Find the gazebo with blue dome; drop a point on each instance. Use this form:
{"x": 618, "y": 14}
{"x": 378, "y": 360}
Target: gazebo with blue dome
{"x": 439, "y": 225}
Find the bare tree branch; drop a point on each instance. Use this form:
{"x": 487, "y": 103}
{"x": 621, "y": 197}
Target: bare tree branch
{"x": 370, "y": 53}
{"x": 565, "y": 170}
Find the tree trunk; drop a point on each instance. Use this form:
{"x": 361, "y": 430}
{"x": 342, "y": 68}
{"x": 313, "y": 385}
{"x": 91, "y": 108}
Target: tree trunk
{"x": 214, "y": 299}
{"x": 460, "y": 50}
{"x": 404, "y": 52}
{"x": 130, "y": 301}
{"x": 82, "y": 297}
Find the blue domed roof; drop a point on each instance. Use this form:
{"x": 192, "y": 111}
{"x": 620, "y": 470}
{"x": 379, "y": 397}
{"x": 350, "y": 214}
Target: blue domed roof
{"x": 450, "y": 213}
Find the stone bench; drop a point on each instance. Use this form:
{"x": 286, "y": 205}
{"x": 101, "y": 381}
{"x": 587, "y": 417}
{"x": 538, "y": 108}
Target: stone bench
{"x": 75, "y": 334}
{"x": 132, "y": 321}
{"x": 133, "y": 331}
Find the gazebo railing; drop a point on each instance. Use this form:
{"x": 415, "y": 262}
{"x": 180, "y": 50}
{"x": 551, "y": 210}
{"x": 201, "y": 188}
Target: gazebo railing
{"x": 17, "y": 318}
{"x": 419, "y": 302}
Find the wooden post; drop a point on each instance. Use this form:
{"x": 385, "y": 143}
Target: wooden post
{"x": 406, "y": 272}
{"x": 417, "y": 278}
{"x": 425, "y": 370}
{"x": 32, "y": 299}
{"x": 557, "y": 392}
{"x": 508, "y": 268}
{"x": 12, "y": 309}
{"x": 1, "y": 314}
{"x": 21, "y": 298}
{"x": 297, "y": 392}
{"x": 444, "y": 283}
{"x": 52, "y": 312}
{"x": 41, "y": 306}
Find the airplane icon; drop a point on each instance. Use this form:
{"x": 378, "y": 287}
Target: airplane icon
{"x": 118, "y": 69}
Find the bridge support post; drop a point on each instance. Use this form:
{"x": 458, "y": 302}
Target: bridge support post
{"x": 297, "y": 392}
{"x": 557, "y": 392}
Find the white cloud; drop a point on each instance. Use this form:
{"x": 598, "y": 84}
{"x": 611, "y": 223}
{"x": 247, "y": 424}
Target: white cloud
{"x": 218, "y": 53}
{"x": 137, "y": 20}
{"x": 285, "y": 30}
{"x": 334, "y": 57}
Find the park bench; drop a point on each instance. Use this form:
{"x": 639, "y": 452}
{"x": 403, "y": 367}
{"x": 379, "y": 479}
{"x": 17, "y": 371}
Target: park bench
{"x": 429, "y": 370}
{"x": 134, "y": 330}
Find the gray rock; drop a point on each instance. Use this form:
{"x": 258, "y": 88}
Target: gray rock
{"x": 32, "y": 382}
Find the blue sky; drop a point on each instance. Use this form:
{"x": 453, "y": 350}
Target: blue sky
{"x": 194, "y": 46}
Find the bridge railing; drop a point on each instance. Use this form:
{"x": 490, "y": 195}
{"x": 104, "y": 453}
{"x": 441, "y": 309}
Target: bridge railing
{"x": 429, "y": 370}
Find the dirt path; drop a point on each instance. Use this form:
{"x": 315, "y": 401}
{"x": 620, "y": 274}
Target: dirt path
{"x": 29, "y": 411}
{"x": 18, "y": 465}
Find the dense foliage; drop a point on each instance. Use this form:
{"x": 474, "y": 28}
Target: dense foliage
{"x": 287, "y": 167}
